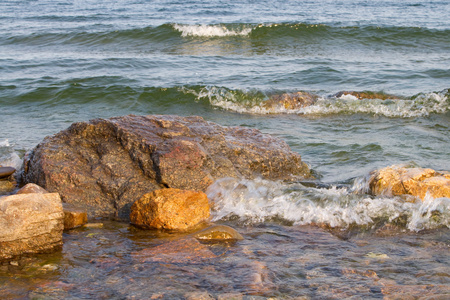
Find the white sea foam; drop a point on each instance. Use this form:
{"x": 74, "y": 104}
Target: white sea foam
{"x": 210, "y": 30}
{"x": 4, "y": 143}
{"x": 8, "y": 157}
{"x": 260, "y": 200}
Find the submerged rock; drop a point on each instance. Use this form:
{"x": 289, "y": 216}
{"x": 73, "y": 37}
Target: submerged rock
{"x": 291, "y": 101}
{"x": 400, "y": 180}
{"x": 7, "y": 187}
{"x": 171, "y": 209}
{"x": 7, "y": 181}
{"x": 106, "y": 165}
{"x": 30, "y": 223}
{"x": 184, "y": 250}
{"x": 218, "y": 232}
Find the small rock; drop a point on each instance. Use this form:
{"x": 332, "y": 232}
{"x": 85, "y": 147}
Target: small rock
{"x": 377, "y": 255}
{"x": 6, "y": 187}
{"x": 400, "y": 180}
{"x": 73, "y": 216}
{"x": 171, "y": 209}
{"x": 31, "y": 188}
{"x": 6, "y": 171}
{"x": 218, "y": 232}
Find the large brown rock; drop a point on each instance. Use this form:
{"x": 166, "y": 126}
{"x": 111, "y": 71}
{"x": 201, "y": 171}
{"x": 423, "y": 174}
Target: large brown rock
{"x": 400, "y": 180}
{"x": 30, "y": 223}
{"x": 105, "y": 165}
{"x": 171, "y": 209}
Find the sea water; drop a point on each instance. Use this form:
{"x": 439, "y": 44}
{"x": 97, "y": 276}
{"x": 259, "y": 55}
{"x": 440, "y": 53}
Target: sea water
{"x": 68, "y": 61}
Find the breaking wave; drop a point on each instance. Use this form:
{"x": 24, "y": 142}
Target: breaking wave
{"x": 254, "y": 102}
{"x": 211, "y": 30}
{"x": 255, "y": 201}
{"x": 9, "y": 157}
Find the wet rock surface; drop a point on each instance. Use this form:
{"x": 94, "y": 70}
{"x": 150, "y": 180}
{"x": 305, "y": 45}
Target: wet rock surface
{"x": 31, "y": 188}
{"x": 401, "y": 180}
{"x": 106, "y": 165}
{"x": 5, "y": 172}
{"x": 7, "y": 187}
{"x": 73, "y": 216}
{"x": 30, "y": 223}
{"x": 291, "y": 100}
{"x": 171, "y": 209}
{"x": 218, "y": 232}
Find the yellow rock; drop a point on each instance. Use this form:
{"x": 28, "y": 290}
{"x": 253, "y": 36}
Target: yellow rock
{"x": 171, "y": 209}
{"x": 73, "y": 216}
{"x": 400, "y": 180}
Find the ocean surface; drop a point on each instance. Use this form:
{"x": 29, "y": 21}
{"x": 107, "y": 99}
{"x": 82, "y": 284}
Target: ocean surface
{"x": 68, "y": 61}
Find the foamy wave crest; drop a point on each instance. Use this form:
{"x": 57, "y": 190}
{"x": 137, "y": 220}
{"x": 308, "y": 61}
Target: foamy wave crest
{"x": 254, "y": 201}
{"x": 4, "y": 143}
{"x": 253, "y": 102}
{"x": 210, "y": 30}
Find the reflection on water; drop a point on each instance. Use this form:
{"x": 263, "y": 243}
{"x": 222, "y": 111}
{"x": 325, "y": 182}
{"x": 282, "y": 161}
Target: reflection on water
{"x": 274, "y": 260}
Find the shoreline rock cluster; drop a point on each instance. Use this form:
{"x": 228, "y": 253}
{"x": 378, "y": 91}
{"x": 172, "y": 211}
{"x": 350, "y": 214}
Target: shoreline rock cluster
{"x": 152, "y": 171}
{"x": 104, "y": 165}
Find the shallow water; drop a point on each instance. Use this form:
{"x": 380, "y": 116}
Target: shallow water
{"x": 68, "y": 61}
{"x": 274, "y": 260}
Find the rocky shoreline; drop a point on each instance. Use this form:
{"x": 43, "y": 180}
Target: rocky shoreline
{"x": 152, "y": 171}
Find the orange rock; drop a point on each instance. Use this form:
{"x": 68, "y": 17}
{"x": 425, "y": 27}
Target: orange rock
{"x": 399, "y": 180}
{"x": 73, "y": 216}
{"x": 171, "y": 209}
